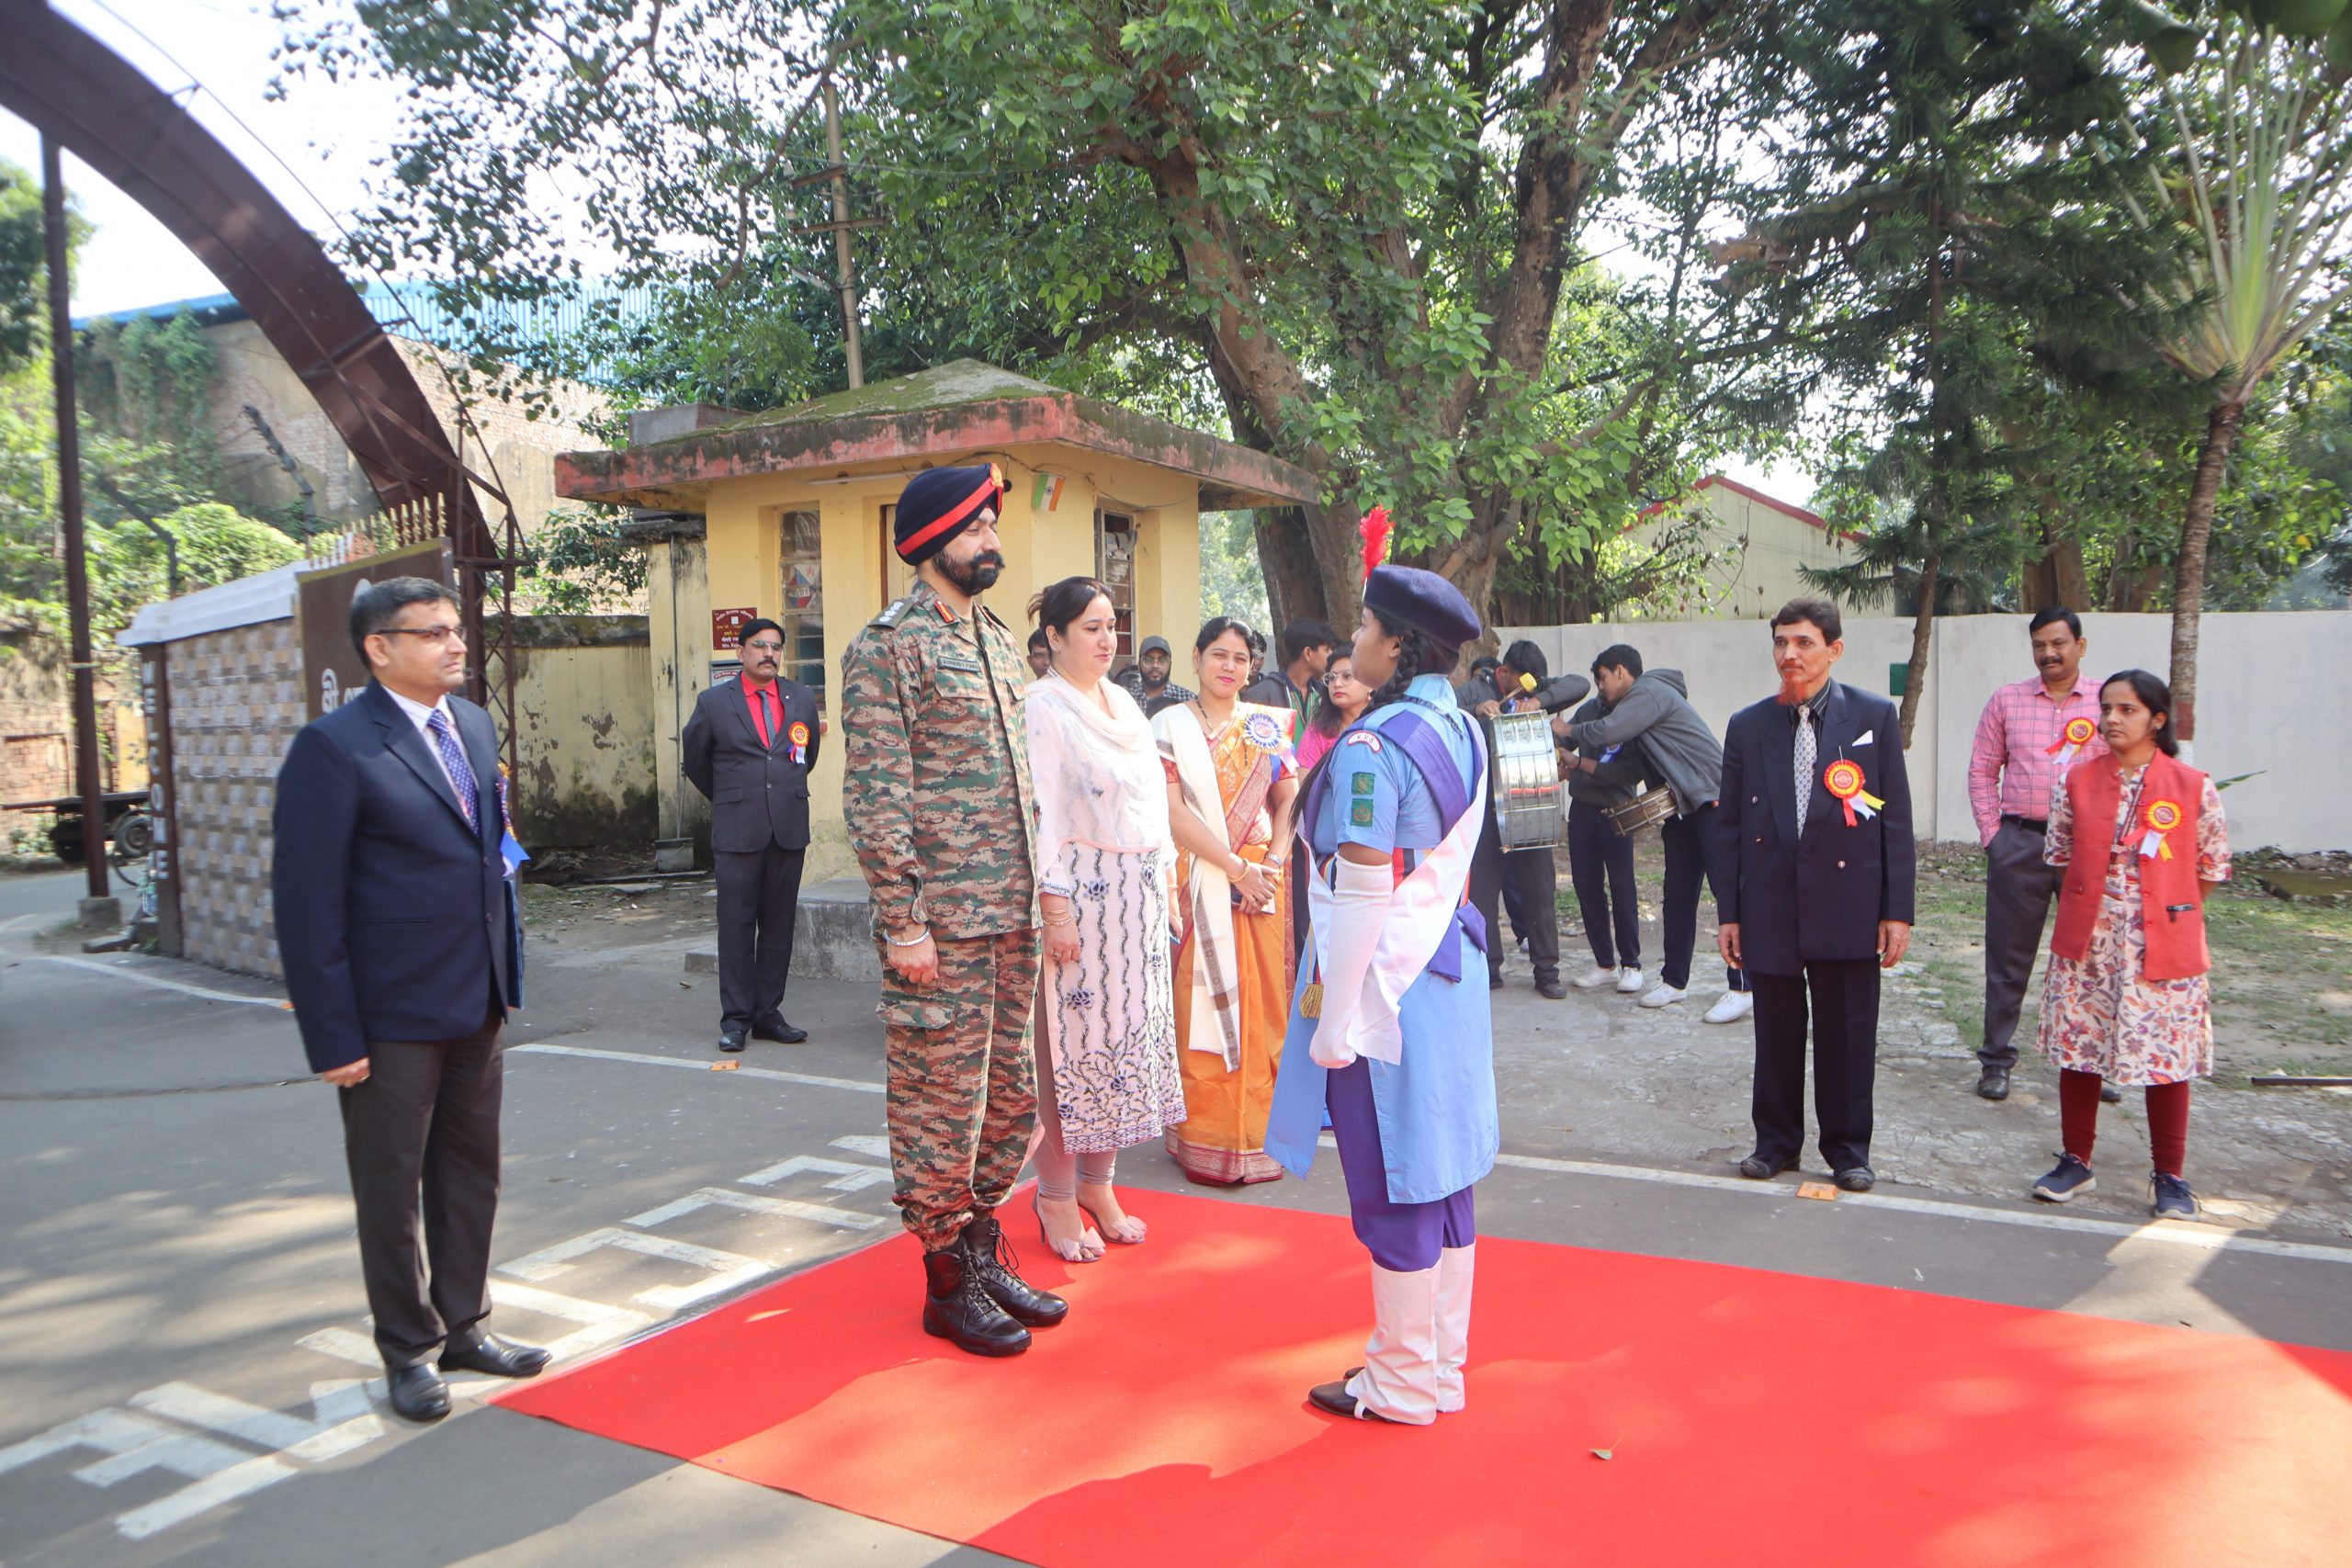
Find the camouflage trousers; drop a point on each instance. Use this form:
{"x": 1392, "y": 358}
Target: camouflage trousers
{"x": 962, "y": 1081}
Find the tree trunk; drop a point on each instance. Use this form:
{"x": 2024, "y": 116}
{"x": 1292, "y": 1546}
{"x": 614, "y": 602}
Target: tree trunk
{"x": 1295, "y": 589}
{"x": 1923, "y": 631}
{"x": 2189, "y": 572}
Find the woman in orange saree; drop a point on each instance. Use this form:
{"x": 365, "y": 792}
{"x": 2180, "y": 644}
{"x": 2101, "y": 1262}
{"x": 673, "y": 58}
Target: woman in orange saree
{"x": 1231, "y": 780}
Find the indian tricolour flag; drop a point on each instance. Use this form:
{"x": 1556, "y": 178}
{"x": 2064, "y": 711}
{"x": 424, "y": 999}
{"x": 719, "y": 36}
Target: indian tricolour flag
{"x": 1048, "y": 494}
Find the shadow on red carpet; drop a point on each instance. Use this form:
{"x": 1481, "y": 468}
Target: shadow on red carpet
{"x": 1750, "y": 1417}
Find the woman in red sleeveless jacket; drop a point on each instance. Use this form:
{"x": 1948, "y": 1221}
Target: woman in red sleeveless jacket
{"x": 2142, "y": 841}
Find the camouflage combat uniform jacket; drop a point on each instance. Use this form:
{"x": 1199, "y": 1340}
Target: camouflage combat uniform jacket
{"x": 936, "y": 787}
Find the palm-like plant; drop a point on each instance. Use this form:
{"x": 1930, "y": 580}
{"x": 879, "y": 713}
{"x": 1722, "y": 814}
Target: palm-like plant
{"x": 2253, "y": 109}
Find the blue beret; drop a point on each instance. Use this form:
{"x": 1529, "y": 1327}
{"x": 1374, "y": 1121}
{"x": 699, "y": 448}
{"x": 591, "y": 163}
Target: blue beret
{"x": 1423, "y": 601}
{"x": 937, "y": 504}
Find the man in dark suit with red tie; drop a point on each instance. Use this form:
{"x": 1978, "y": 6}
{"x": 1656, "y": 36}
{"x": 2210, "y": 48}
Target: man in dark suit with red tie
{"x": 399, "y": 941}
{"x": 750, "y": 747}
{"x": 1816, "y": 816}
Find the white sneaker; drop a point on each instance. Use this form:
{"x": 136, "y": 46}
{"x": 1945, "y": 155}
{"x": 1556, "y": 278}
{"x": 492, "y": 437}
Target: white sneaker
{"x": 1629, "y": 980}
{"x": 1731, "y": 1007}
{"x": 1663, "y": 995}
{"x": 1593, "y": 979}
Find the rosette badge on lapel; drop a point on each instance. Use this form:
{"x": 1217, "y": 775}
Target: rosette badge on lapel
{"x": 1844, "y": 779}
{"x": 2161, "y": 818}
{"x": 2071, "y": 739}
{"x": 1264, "y": 731}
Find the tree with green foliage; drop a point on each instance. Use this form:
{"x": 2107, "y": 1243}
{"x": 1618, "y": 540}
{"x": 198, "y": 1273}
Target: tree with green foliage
{"x": 1942, "y": 231}
{"x": 2250, "y": 126}
{"x": 1350, "y": 232}
{"x": 24, "y": 268}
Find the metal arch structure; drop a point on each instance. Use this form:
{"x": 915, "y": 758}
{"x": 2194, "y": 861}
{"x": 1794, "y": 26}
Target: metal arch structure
{"x": 139, "y": 139}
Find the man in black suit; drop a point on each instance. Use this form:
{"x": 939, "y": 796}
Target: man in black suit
{"x": 1817, "y": 818}
{"x": 399, "y": 941}
{"x": 749, "y": 748}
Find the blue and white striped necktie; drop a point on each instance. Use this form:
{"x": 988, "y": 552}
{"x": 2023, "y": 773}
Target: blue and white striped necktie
{"x": 453, "y": 757}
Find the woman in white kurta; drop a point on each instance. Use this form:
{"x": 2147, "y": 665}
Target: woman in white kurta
{"x": 1106, "y": 1023}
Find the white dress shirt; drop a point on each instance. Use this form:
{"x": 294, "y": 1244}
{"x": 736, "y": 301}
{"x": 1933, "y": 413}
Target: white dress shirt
{"x": 421, "y": 716}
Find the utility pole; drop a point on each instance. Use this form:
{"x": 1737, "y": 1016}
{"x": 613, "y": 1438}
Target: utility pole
{"x": 836, "y": 173}
{"x": 99, "y": 909}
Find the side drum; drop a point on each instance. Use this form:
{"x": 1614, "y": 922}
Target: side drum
{"x": 1647, "y": 809}
{"x": 1528, "y": 814}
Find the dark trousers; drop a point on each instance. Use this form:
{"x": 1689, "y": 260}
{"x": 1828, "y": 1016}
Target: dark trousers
{"x": 421, "y": 1136}
{"x": 1402, "y": 1238}
{"x": 759, "y": 896}
{"x": 1601, "y": 864}
{"x": 1537, "y": 880}
{"x": 2018, "y": 890}
{"x": 1844, "y": 996}
{"x": 1691, "y": 853}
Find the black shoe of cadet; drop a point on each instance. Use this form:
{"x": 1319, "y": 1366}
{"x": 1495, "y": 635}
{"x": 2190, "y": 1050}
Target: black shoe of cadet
{"x": 989, "y": 1256}
{"x": 1993, "y": 1083}
{"x": 774, "y": 1027}
{"x": 957, "y": 1310}
{"x": 730, "y": 1038}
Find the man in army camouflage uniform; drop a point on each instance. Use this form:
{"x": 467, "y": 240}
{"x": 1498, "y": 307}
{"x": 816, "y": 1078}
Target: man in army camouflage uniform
{"x": 939, "y": 804}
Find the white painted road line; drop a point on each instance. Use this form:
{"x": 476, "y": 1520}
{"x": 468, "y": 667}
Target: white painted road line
{"x": 139, "y": 978}
{"x": 646, "y": 1058}
{"x": 752, "y": 1203}
{"x": 2207, "y": 1238}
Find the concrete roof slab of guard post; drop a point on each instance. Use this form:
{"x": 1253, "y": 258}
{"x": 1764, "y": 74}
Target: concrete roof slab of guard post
{"x": 956, "y": 409}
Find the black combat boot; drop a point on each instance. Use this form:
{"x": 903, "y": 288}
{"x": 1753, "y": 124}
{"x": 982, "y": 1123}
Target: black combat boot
{"x": 990, "y": 1258}
{"x": 955, "y": 1308}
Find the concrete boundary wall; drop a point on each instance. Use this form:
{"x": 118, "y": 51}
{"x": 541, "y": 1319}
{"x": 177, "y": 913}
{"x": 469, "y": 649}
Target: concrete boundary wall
{"x": 2276, "y": 697}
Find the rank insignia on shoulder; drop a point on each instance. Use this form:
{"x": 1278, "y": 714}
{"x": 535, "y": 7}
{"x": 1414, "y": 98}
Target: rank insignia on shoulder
{"x": 1359, "y": 814}
{"x": 1363, "y": 783}
{"x": 892, "y": 614}
{"x": 1364, "y": 737}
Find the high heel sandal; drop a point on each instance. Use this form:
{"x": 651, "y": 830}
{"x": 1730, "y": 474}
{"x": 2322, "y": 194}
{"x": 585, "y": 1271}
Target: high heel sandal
{"x": 1079, "y": 1251}
{"x": 1129, "y": 1232}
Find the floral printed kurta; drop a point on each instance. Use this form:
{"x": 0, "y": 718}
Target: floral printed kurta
{"x": 2100, "y": 1015}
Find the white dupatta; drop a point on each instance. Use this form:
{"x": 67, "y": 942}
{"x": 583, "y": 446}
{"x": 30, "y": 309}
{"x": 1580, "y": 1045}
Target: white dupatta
{"x": 1215, "y": 1010}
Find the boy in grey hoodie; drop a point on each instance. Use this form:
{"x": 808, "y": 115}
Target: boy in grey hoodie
{"x": 1653, "y": 711}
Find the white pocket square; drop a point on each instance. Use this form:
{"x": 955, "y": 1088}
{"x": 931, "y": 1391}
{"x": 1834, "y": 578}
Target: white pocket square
{"x": 1866, "y": 736}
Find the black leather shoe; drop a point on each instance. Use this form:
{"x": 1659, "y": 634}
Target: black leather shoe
{"x": 1755, "y": 1168}
{"x": 774, "y": 1027}
{"x": 730, "y": 1039}
{"x": 1993, "y": 1083}
{"x": 1856, "y": 1179}
{"x": 2108, "y": 1094}
{"x": 990, "y": 1258}
{"x": 957, "y": 1310}
{"x": 1551, "y": 989}
{"x": 1335, "y": 1398}
{"x": 499, "y": 1358}
{"x": 417, "y": 1392}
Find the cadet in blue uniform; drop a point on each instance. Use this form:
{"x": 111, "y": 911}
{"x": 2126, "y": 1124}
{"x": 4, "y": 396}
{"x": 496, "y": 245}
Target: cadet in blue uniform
{"x": 1383, "y": 1033}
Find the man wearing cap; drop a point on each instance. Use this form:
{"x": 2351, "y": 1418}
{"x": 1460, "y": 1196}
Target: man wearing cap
{"x": 1147, "y": 679}
{"x": 1385, "y": 1032}
{"x": 941, "y": 813}
{"x": 749, "y": 746}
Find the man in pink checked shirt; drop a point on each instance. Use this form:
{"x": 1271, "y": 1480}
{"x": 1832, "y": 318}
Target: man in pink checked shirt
{"x": 2031, "y": 734}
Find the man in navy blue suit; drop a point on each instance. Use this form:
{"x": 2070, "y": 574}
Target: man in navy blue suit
{"x": 399, "y": 943}
{"x": 1817, "y": 818}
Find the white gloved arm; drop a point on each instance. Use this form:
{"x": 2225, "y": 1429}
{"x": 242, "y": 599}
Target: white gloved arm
{"x": 1358, "y": 909}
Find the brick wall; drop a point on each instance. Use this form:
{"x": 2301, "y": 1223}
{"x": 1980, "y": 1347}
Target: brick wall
{"x": 37, "y": 726}
{"x": 236, "y": 703}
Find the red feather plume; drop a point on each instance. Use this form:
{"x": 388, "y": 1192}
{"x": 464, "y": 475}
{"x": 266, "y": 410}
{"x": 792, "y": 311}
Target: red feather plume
{"x": 1375, "y": 529}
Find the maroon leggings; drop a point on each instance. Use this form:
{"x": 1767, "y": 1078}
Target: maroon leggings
{"x": 2168, "y": 1119}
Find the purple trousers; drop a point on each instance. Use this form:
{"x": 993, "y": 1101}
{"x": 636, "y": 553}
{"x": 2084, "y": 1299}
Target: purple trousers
{"x": 1402, "y": 1238}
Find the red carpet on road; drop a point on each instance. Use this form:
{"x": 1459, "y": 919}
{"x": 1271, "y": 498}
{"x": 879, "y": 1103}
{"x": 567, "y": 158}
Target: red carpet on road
{"x": 1750, "y": 1417}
